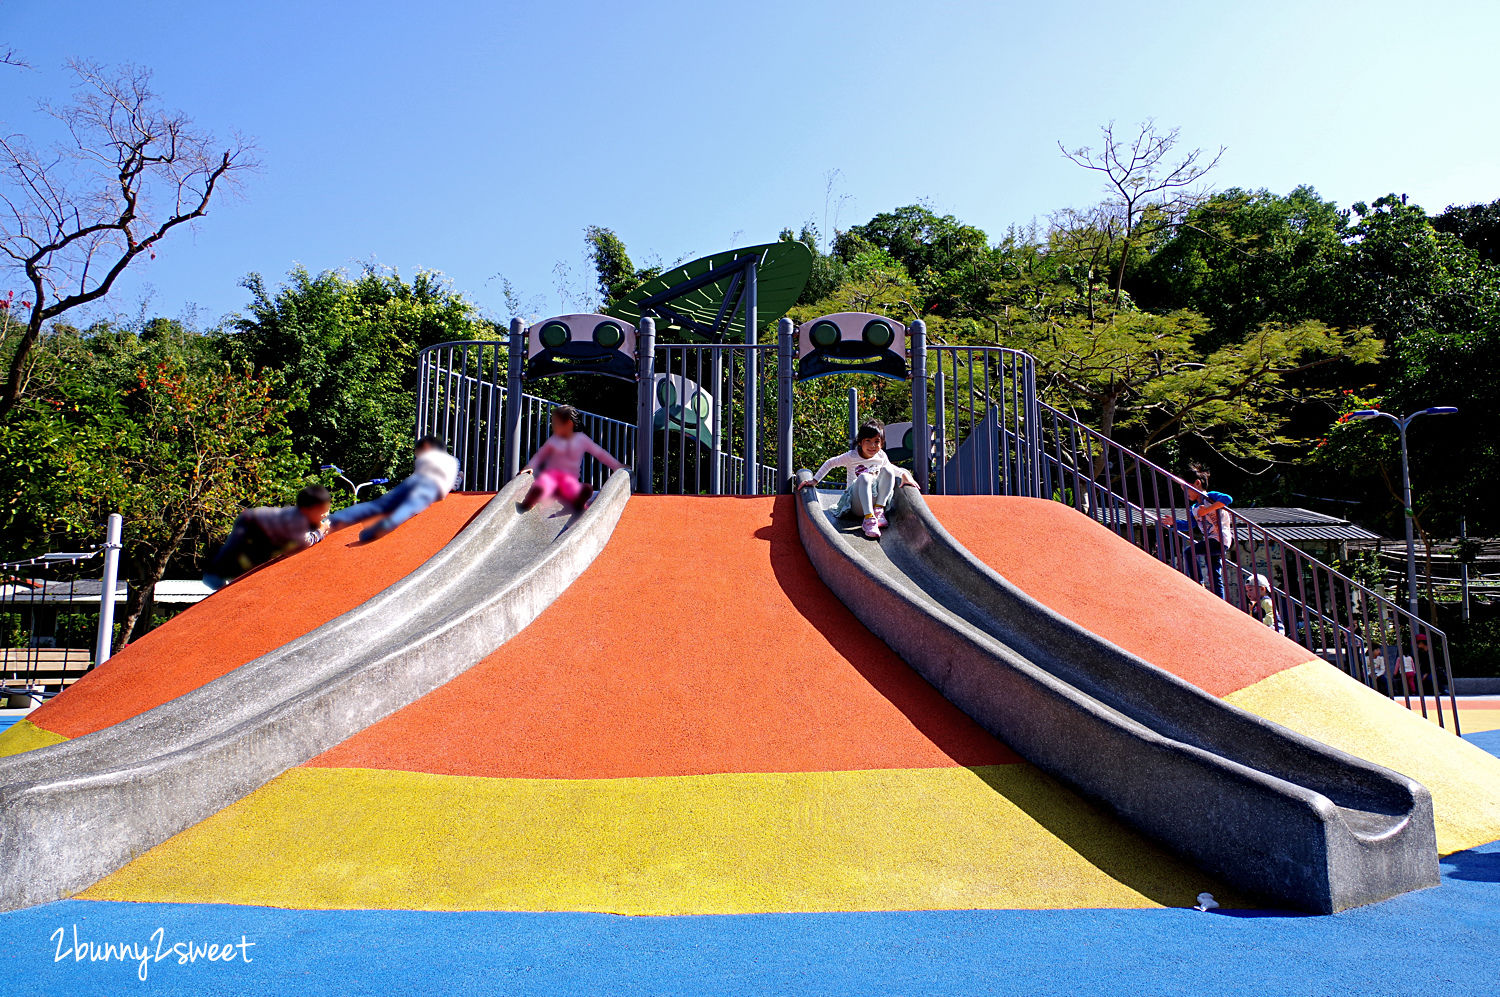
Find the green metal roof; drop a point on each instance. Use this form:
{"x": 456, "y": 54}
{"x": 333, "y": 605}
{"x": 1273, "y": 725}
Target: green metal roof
{"x": 781, "y": 274}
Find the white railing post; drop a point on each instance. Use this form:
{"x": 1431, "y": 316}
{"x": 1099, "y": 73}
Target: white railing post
{"x": 104, "y": 642}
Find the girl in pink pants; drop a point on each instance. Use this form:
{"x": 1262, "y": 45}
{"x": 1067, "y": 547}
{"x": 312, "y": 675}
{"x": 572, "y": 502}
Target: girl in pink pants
{"x": 558, "y": 463}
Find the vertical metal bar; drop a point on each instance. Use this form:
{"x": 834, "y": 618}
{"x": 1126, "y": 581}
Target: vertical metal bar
{"x": 852, "y": 400}
{"x": 916, "y": 346}
{"x": 786, "y": 384}
{"x": 716, "y": 374}
{"x": 752, "y": 382}
{"x": 512, "y": 430}
{"x": 645, "y": 393}
{"x": 939, "y": 395}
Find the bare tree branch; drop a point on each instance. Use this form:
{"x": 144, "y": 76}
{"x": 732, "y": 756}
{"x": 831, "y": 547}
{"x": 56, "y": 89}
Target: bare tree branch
{"x": 1147, "y": 192}
{"x": 74, "y": 218}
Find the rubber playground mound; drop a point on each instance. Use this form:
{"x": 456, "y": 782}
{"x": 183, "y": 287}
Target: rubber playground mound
{"x": 258, "y": 613}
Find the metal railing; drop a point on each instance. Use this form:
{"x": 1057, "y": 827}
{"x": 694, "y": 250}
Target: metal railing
{"x": 1350, "y": 625}
{"x": 985, "y": 423}
{"x": 715, "y": 413}
{"x": 40, "y": 654}
{"x": 461, "y": 391}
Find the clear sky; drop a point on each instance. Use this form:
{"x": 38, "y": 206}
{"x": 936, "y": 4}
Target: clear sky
{"x": 477, "y": 138}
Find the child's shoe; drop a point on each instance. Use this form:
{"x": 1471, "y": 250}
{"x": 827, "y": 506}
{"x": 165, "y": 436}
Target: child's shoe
{"x": 880, "y": 519}
{"x": 872, "y": 528}
{"x": 585, "y": 493}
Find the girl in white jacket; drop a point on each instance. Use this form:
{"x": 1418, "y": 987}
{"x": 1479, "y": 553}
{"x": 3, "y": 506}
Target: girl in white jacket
{"x": 872, "y": 478}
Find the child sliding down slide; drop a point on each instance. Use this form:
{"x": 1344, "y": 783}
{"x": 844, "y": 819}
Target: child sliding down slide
{"x": 435, "y": 472}
{"x": 559, "y": 462}
{"x": 872, "y": 478}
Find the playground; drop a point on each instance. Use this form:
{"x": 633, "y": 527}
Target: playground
{"x": 706, "y": 736}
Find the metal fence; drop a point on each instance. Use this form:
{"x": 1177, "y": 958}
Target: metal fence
{"x": 985, "y": 424}
{"x": 711, "y": 416}
{"x": 44, "y": 647}
{"x": 1348, "y": 624}
{"x": 461, "y": 392}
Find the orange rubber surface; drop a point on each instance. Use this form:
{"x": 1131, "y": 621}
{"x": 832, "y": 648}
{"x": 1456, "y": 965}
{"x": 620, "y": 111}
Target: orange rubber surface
{"x": 1069, "y": 563}
{"x": 700, "y": 641}
{"x": 255, "y": 615}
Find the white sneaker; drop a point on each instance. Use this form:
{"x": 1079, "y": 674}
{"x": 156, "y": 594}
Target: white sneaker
{"x": 880, "y": 519}
{"x": 872, "y": 528}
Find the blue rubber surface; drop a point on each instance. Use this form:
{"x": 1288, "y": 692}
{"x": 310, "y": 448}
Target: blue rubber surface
{"x": 1440, "y": 941}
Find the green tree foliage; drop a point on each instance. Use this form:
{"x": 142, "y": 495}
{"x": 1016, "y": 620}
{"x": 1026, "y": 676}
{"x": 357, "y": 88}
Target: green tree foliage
{"x": 1477, "y": 226}
{"x": 346, "y": 348}
{"x": 1242, "y": 258}
{"x": 156, "y": 427}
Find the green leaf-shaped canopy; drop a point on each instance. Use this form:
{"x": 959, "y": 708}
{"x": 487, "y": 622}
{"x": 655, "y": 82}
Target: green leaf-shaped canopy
{"x": 781, "y": 274}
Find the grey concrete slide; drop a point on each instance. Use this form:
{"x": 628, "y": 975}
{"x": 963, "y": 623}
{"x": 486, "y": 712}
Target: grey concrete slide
{"x": 1294, "y": 822}
{"x": 74, "y": 812}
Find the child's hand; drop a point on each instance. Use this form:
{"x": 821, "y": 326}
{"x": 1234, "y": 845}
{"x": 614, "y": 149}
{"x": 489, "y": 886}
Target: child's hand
{"x": 324, "y": 525}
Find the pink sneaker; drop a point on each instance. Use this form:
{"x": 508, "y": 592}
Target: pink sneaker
{"x": 872, "y": 528}
{"x": 880, "y": 519}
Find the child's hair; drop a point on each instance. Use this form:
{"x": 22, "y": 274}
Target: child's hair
{"x": 313, "y": 495}
{"x": 872, "y": 430}
{"x": 428, "y": 441}
{"x": 566, "y": 413}
{"x": 1197, "y": 474}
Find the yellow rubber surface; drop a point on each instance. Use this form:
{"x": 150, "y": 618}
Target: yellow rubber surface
{"x": 951, "y": 838}
{"x": 23, "y": 735}
{"x": 1322, "y": 702}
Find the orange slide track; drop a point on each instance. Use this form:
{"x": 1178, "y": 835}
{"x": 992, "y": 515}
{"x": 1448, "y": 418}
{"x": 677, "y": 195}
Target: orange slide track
{"x": 701, "y": 640}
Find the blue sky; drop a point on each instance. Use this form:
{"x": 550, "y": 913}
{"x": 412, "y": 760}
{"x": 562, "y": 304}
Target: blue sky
{"x": 479, "y": 138}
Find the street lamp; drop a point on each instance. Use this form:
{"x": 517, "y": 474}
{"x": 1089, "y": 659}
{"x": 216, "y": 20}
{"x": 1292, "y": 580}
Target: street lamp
{"x": 1366, "y": 414}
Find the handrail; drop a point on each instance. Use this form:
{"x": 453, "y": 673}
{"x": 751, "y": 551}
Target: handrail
{"x": 1361, "y": 619}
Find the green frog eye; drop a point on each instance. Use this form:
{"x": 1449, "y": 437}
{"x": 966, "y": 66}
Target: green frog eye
{"x": 555, "y": 334}
{"x": 879, "y": 333}
{"x": 609, "y": 335}
{"x": 824, "y": 334}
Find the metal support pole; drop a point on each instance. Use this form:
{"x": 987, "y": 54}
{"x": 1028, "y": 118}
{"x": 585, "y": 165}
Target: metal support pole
{"x": 645, "y": 433}
{"x": 916, "y": 345}
{"x": 1411, "y": 543}
{"x": 853, "y": 416}
{"x": 104, "y": 641}
{"x": 752, "y": 386}
{"x": 786, "y": 383}
{"x": 513, "y": 398}
{"x": 1463, "y": 564}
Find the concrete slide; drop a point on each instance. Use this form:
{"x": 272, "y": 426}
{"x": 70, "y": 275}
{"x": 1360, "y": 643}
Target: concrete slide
{"x": 73, "y": 812}
{"x": 1266, "y": 809}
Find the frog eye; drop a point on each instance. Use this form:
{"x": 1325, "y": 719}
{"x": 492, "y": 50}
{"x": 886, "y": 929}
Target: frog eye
{"x": 554, "y": 335}
{"x": 878, "y": 333}
{"x": 666, "y": 393}
{"x": 824, "y": 335}
{"x": 608, "y": 335}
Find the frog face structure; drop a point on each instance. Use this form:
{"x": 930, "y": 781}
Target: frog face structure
{"x": 681, "y": 405}
{"x": 851, "y": 343}
{"x": 581, "y": 344}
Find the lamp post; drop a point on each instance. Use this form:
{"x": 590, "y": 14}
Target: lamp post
{"x": 1364, "y": 415}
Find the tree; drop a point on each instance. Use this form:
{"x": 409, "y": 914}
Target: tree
{"x": 1476, "y": 226}
{"x": 347, "y": 349}
{"x": 154, "y": 426}
{"x": 1147, "y": 374}
{"x": 1243, "y": 257}
{"x": 1147, "y": 193}
{"x": 77, "y": 215}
